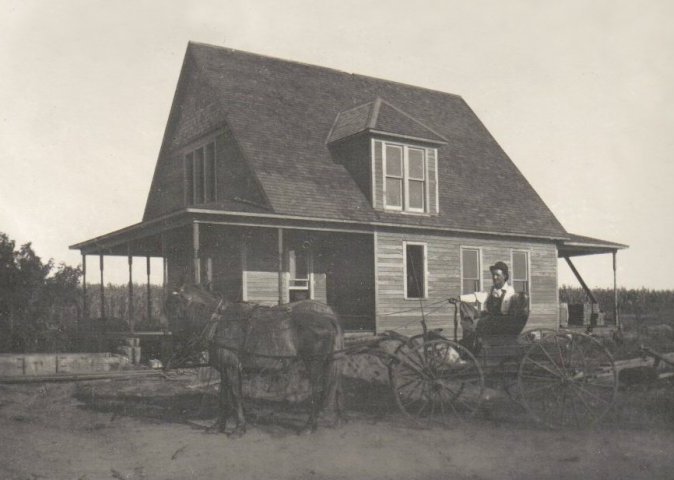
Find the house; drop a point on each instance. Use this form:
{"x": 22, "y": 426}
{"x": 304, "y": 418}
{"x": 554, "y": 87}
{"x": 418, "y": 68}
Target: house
{"x": 278, "y": 181}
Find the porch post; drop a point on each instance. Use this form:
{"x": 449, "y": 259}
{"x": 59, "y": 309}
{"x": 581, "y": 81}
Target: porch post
{"x": 615, "y": 293}
{"x": 195, "y": 248}
{"x": 84, "y": 292}
{"x": 149, "y": 290}
{"x": 130, "y": 311}
{"x": 280, "y": 266}
{"x": 164, "y": 266}
{"x": 100, "y": 261}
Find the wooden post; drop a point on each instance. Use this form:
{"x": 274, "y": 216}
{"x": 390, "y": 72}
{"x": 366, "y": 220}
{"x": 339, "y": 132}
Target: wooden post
{"x": 130, "y": 310}
{"x": 581, "y": 281}
{"x": 164, "y": 267}
{"x": 615, "y": 293}
{"x": 100, "y": 257}
{"x": 149, "y": 289}
{"x": 280, "y": 266}
{"x": 195, "y": 248}
{"x": 85, "y": 317}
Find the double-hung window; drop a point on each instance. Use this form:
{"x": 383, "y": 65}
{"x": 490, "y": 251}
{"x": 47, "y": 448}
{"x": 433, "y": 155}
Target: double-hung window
{"x": 470, "y": 270}
{"x": 520, "y": 271}
{"x": 405, "y": 177}
{"x": 200, "y": 175}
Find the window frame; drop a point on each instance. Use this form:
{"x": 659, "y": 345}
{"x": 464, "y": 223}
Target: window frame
{"x": 480, "y": 279}
{"x": 290, "y": 262}
{"x": 424, "y": 246}
{"x": 208, "y": 181}
{"x": 512, "y": 279}
{"x": 404, "y": 206}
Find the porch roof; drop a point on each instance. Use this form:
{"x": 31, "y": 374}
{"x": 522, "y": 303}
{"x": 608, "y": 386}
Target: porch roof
{"x": 145, "y": 238}
{"x": 577, "y": 245}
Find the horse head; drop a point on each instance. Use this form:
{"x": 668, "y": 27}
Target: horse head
{"x": 189, "y": 307}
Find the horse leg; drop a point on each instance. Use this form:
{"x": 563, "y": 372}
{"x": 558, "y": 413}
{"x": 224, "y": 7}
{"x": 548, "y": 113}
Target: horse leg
{"x": 224, "y": 401}
{"x": 316, "y": 368}
{"x": 224, "y": 392}
{"x": 234, "y": 373}
{"x": 334, "y": 396}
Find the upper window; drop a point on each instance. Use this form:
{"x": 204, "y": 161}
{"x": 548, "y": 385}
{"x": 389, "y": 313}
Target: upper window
{"x": 415, "y": 270}
{"x": 200, "y": 175}
{"x": 405, "y": 177}
{"x": 470, "y": 270}
{"x": 520, "y": 271}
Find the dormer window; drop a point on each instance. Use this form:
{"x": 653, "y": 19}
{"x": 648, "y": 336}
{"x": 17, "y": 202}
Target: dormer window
{"x": 405, "y": 186}
{"x": 200, "y": 175}
{"x": 403, "y": 174}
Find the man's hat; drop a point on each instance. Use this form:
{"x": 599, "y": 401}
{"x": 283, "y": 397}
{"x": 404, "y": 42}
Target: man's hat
{"x": 500, "y": 266}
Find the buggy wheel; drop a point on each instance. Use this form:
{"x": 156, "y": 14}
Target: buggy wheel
{"x": 436, "y": 382}
{"x": 567, "y": 379}
{"x": 509, "y": 367}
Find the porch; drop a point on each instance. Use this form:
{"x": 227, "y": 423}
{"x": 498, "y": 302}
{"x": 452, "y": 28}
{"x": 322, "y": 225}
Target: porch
{"x": 589, "y": 315}
{"x": 262, "y": 262}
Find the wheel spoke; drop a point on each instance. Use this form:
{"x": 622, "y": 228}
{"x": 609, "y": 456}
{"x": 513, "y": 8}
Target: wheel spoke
{"x": 556, "y": 374}
{"x": 561, "y": 355}
{"x": 578, "y": 387}
{"x": 540, "y": 389}
{"x": 552, "y": 360}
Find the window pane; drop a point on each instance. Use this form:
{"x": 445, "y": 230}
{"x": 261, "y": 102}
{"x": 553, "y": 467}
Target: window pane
{"x": 521, "y": 286}
{"x": 394, "y": 195}
{"x": 470, "y": 286}
{"x": 189, "y": 179}
{"x": 416, "y": 192}
{"x": 209, "y": 174}
{"x": 415, "y": 271}
{"x": 394, "y": 161}
{"x": 520, "y": 266}
{"x": 416, "y": 164}
{"x": 199, "y": 176}
{"x": 470, "y": 264}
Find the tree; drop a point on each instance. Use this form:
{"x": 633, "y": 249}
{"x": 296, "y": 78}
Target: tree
{"x": 28, "y": 294}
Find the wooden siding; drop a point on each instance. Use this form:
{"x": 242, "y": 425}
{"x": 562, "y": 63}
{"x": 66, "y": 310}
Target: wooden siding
{"x": 261, "y": 266}
{"x": 444, "y": 279}
{"x": 354, "y": 154}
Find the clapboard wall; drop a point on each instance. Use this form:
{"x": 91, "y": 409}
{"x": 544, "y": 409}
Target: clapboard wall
{"x": 394, "y": 312}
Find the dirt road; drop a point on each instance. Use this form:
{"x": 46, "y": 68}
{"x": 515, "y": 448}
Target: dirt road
{"x": 149, "y": 429}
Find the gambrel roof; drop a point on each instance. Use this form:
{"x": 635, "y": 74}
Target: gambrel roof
{"x": 283, "y": 116}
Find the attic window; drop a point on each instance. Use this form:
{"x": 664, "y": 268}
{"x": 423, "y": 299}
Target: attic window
{"x": 200, "y": 175}
{"x": 405, "y": 184}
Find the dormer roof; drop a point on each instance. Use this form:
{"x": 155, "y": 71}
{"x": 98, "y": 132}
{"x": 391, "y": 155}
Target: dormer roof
{"x": 381, "y": 117}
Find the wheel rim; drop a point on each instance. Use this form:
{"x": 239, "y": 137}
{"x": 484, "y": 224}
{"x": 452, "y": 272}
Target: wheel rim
{"x": 436, "y": 382}
{"x": 567, "y": 379}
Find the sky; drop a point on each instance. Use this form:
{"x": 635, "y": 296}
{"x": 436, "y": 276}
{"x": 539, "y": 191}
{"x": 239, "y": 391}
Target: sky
{"x": 579, "y": 95}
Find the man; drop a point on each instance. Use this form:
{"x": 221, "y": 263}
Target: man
{"x": 503, "y": 311}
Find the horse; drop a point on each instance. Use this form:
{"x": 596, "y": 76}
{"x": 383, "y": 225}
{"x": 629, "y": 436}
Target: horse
{"x": 242, "y": 336}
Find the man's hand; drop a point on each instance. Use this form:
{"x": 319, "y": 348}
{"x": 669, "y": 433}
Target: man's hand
{"x": 453, "y": 300}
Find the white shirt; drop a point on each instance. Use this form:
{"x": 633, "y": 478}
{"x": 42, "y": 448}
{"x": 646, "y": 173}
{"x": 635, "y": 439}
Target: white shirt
{"x": 506, "y": 291}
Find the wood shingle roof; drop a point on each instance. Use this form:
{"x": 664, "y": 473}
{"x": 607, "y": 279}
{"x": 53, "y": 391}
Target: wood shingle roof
{"x": 283, "y": 115}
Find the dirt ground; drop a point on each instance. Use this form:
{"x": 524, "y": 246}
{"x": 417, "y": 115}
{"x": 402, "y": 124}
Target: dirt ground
{"x": 154, "y": 428}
